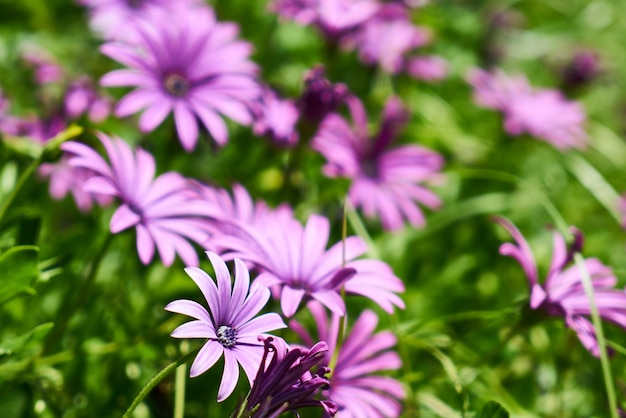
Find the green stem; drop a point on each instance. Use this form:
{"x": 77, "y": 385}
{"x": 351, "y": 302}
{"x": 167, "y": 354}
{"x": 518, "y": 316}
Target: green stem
{"x": 157, "y": 379}
{"x": 597, "y": 324}
{"x": 20, "y": 183}
{"x": 181, "y": 379}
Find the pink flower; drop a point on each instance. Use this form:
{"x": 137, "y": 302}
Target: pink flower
{"x": 163, "y": 210}
{"x": 188, "y": 64}
{"x": 229, "y": 326}
{"x": 276, "y": 118}
{"x": 385, "y": 182}
{"x": 543, "y": 113}
{"x": 562, "y": 293}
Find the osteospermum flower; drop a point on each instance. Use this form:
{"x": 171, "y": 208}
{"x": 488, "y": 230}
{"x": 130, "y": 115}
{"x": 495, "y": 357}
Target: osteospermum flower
{"x": 276, "y": 118}
{"x": 163, "y": 210}
{"x": 188, "y": 64}
{"x": 230, "y": 326}
{"x": 543, "y": 113}
{"x": 562, "y": 293}
{"x": 385, "y": 182}
{"x": 355, "y": 386}
{"x": 294, "y": 260}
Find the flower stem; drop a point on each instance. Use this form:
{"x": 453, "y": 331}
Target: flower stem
{"x": 597, "y": 324}
{"x": 157, "y": 379}
{"x": 181, "y": 378}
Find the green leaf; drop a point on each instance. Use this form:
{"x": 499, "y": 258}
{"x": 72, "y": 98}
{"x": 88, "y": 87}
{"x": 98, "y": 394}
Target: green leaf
{"x": 18, "y": 268}
{"x": 17, "y": 353}
{"x": 492, "y": 409}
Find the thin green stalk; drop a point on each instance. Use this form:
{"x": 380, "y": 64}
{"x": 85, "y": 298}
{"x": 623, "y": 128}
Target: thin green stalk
{"x": 181, "y": 379}
{"x": 157, "y": 379}
{"x": 597, "y": 324}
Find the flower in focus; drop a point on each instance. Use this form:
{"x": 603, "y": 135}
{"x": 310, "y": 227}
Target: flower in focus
{"x": 230, "y": 325}
{"x": 190, "y": 64}
{"x": 320, "y": 97}
{"x": 288, "y": 383}
{"x": 65, "y": 179}
{"x": 562, "y": 293}
{"x": 385, "y": 182}
{"x": 543, "y": 113}
{"x": 276, "y": 118}
{"x": 354, "y": 386}
{"x": 162, "y": 209}
{"x": 294, "y": 259}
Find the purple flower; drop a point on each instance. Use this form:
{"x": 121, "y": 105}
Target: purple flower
{"x": 294, "y": 259}
{"x": 354, "y": 386}
{"x": 582, "y": 69}
{"x": 288, "y": 382}
{"x": 189, "y": 64}
{"x": 427, "y": 68}
{"x": 65, "y": 179}
{"x": 543, "y": 113}
{"x": 229, "y": 326}
{"x": 385, "y": 182}
{"x": 162, "y": 209}
{"x": 81, "y": 97}
{"x": 47, "y": 70}
{"x": 562, "y": 293}
{"x": 320, "y": 97}
{"x": 276, "y": 118}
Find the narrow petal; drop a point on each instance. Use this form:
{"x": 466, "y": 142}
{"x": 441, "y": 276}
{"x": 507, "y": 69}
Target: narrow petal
{"x": 230, "y": 377}
{"x": 206, "y": 358}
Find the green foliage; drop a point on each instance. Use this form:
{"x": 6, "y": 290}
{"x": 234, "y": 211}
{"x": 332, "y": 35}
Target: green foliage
{"x": 492, "y": 409}
{"x": 19, "y": 268}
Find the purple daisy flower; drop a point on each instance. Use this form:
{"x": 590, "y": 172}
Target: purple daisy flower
{"x": 189, "y": 64}
{"x": 288, "y": 382}
{"x": 230, "y": 325}
{"x": 354, "y": 386}
{"x": 562, "y": 293}
{"x": 276, "y": 118}
{"x": 293, "y": 259}
{"x": 543, "y": 113}
{"x": 81, "y": 97}
{"x": 162, "y": 209}
{"x": 320, "y": 97}
{"x": 385, "y": 182}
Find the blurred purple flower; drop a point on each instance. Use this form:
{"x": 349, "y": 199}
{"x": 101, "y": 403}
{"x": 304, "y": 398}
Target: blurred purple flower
{"x": 188, "y": 64}
{"x": 385, "y": 182}
{"x": 162, "y": 209}
{"x": 47, "y": 70}
{"x": 294, "y": 259}
{"x": 543, "y": 113}
{"x": 65, "y": 178}
{"x": 320, "y": 97}
{"x": 583, "y": 68}
{"x": 81, "y": 97}
{"x": 354, "y": 387}
{"x": 562, "y": 293}
{"x": 276, "y": 118}
{"x": 427, "y": 68}
{"x": 229, "y": 326}
{"x": 288, "y": 382}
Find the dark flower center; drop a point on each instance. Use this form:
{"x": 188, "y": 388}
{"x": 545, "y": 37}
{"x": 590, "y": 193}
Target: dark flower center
{"x": 134, "y": 4}
{"x": 176, "y": 85}
{"x": 227, "y": 336}
{"x": 370, "y": 168}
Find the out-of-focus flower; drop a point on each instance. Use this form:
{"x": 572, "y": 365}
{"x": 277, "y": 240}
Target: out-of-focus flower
{"x": 190, "y": 64}
{"x": 385, "y": 182}
{"x": 294, "y": 259}
{"x": 65, "y": 179}
{"x": 47, "y": 70}
{"x": 230, "y": 325}
{"x": 543, "y": 113}
{"x": 354, "y": 385}
{"x": 163, "y": 210}
{"x": 320, "y": 97}
{"x": 334, "y": 18}
{"x": 117, "y": 19}
{"x": 288, "y": 383}
{"x": 583, "y": 68}
{"x": 427, "y": 68}
{"x": 81, "y": 97}
{"x": 388, "y": 37}
{"x": 562, "y": 293}
{"x": 276, "y": 118}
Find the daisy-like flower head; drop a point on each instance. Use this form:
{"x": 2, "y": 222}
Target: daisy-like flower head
{"x": 289, "y": 382}
{"x": 543, "y": 113}
{"x": 562, "y": 293}
{"x": 163, "y": 210}
{"x": 230, "y": 326}
{"x": 385, "y": 182}
{"x": 189, "y": 64}
{"x": 354, "y": 385}
{"x": 294, "y": 260}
